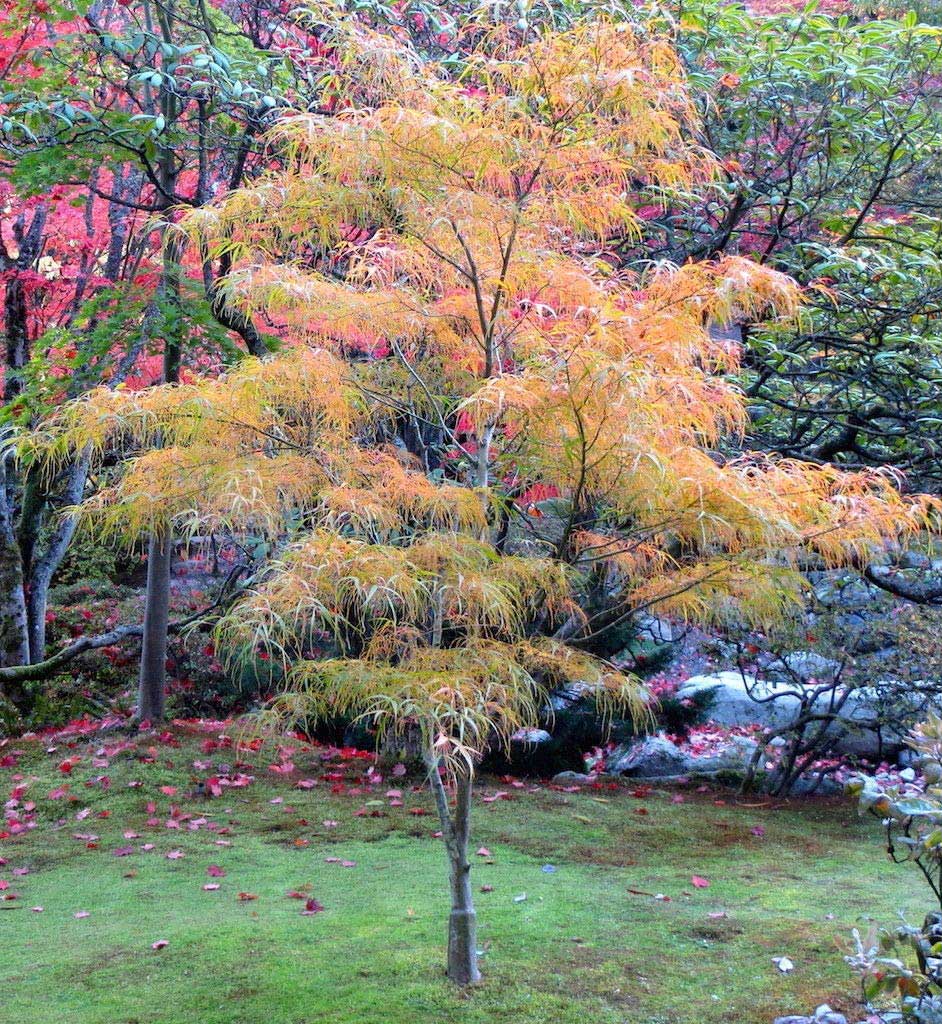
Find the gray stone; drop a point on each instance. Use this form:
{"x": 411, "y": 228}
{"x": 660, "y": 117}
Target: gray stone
{"x": 650, "y": 627}
{"x": 568, "y": 696}
{"x": 531, "y": 737}
{"x": 804, "y": 664}
{"x": 914, "y": 560}
{"x": 739, "y": 700}
{"x": 651, "y": 758}
{"x": 735, "y": 757}
{"x": 811, "y": 785}
{"x": 580, "y": 778}
{"x": 656, "y": 757}
{"x": 775, "y": 704}
{"x": 571, "y": 779}
{"x": 823, "y": 1015}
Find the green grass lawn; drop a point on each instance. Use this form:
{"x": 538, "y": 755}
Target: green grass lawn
{"x": 582, "y": 947}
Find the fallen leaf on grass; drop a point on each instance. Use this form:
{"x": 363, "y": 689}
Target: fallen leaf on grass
{"x": 312, "y": 907}
{"x": 484, "y": 852}
{"x": 700, "y": 883}
{"x": 174, "y": 855}
{"x": 159, "y": 944}
{"x": 245, "y": 897}
{"x": 210, "y": 887}
{"x": 215, "y": 871}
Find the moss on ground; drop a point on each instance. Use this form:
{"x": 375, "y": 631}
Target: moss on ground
{"x": 588, "y": 943}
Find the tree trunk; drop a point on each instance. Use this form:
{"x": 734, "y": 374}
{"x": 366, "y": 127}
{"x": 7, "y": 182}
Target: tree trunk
{"x": 14, "y": 635}
{"x": 151, "y": 683}
{"x": 462, "y": 921}
{"x": 14, "y": 638}
{"x": 39, "y": 571}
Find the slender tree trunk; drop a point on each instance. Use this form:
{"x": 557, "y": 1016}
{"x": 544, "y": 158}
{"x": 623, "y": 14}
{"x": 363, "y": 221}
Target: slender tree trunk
{"x": 14, "y": 635}
{"x": 14, "y": 638}
{"x": 462, "y": 921}
{"x": 153, "y": 675}
{"x": 150, "y": 699}
{"x": 40, "y": 570}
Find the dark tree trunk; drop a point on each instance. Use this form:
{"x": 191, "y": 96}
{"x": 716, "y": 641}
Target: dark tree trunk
{"x": 15, "y": 310}
{"x": 462, "y": 921}
{"x": 151, "y": 684}
{"x": 153, "y": 674}
{"x": 41, "y": 569}
{"x": 14, "y": 635}
{"x": 14, "y": 638}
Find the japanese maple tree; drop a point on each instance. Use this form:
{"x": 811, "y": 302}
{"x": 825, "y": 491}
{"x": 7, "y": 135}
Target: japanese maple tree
{"x": 436, "y": 251}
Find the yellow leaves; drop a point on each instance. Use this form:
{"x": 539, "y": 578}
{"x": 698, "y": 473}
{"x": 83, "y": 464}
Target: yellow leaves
{"x": 351, "y": 586}
{"x": 721, "y": 591}
{"x": 504, "y": 398}
{"x": 382, "y": 496}
{"x": 276, "y": 402}
{"x": 461, "y": 699}
{"x": 196, "y": 489}
{"x": 730, "y": 290}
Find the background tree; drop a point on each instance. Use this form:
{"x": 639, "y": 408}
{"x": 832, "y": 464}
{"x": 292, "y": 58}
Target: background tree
{"x": 826, "y": 129}
{"x": 135, "y": 110}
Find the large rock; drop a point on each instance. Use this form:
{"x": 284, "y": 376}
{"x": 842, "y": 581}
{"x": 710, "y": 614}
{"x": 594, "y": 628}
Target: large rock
{"x": 655, "y": 630}
{"x": 823, "y": 1015}
{"x": 805, "y": 665}
{"x": 531, "y": 737}
{"x": 655, "y": 757}
{"x": 734, "y": 758}
{"x": 738, "y": 700}
{"x": 861, "y": 727}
